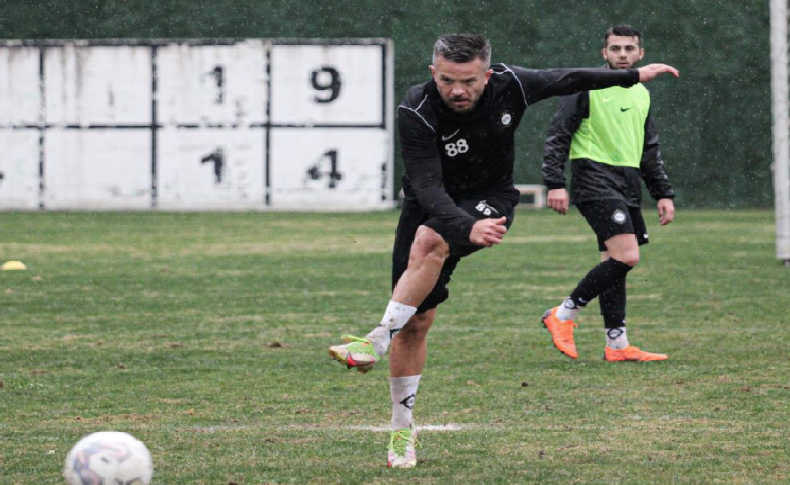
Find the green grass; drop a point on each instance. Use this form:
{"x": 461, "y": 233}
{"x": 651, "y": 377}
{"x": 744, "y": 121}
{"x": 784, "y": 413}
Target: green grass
{"x": 205, "y": 336}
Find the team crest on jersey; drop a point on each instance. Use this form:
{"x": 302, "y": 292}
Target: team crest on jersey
{"x": 619, "y": 217}
{"x": 506, "y": 118}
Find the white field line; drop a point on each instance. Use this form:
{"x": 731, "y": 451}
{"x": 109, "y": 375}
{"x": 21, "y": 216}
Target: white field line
{"x": 321, "y": 427}
{"x": 425, "y": 427}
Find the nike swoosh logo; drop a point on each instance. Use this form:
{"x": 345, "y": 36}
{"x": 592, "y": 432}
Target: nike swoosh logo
{"x": 625, "y": 109}
{"x": 445, "y": 138}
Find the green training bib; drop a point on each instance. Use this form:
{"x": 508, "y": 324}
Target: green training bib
{"x": 614, "y": 133}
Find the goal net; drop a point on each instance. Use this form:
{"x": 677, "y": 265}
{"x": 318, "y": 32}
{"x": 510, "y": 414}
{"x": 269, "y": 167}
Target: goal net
{"x": 781, "y": 126}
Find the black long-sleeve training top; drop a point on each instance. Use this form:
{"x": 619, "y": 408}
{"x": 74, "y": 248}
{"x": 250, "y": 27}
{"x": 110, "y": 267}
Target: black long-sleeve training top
{"x": 592, "y": 180}
{"x": 450, "y": 156}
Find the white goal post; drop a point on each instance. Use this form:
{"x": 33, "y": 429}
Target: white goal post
{"x": 781, "y": 127}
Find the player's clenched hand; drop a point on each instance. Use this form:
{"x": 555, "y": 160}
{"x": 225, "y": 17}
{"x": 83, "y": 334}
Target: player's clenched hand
{"x": 487, "y": 232}
{"x": 666, "y": 211}
{"x": 651, "y": 71}
{"x": 557, "y": 199}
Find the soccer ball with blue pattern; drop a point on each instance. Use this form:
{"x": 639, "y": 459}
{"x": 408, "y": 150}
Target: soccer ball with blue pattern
{"x": 109, "y": 458}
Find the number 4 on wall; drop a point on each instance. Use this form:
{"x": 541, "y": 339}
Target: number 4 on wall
{"x": 317, "y": 172}
{"x": 217, "y": 157}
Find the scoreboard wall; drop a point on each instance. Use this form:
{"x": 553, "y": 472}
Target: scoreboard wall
{"x": 252, "y": 124}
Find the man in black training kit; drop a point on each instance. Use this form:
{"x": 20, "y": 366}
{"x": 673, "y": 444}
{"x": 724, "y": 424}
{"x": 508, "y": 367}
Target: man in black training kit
{"x": 612, "y": 144}
{"x": 456, "y": 135}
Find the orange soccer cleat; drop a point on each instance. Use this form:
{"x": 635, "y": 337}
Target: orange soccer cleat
{"x": 631, "y": 354}
{"x": 561, "y": 332}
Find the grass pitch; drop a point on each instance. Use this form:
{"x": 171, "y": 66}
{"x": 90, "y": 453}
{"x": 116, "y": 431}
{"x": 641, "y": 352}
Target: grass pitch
{"x": 205, "y": 336}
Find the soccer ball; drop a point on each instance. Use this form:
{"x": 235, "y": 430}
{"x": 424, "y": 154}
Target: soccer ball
{"x": 109, "y": 458}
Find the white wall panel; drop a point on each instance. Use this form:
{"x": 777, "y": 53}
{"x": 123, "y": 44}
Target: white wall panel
{"x": 98, "y": 169}
{"x": 328, "y": 168}
{"x": 98, "y": 85}
{"x": 211, "y": 169}
{"x": 184, "y": 124}
{"x": 212, "y": 84}
{"x": 19, "y": 174}
{"x": 322, "y": 84}
{"x": 20, "y": 97}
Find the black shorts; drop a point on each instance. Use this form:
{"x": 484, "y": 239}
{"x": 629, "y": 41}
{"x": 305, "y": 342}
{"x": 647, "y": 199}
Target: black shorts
{"x": 610, "y": 217}
{"x": 413, "y": 216}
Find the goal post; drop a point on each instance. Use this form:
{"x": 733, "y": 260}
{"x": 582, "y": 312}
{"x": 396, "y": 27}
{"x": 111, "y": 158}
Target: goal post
{"x": 781, "y": 127}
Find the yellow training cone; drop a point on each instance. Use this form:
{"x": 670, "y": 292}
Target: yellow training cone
{"x": 14, "y": 266}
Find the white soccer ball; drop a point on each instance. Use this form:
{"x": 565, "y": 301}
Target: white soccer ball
{"x": 109, "y": 458}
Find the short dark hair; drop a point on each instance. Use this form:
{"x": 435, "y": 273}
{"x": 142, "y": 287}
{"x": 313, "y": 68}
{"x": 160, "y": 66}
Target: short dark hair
{"x": 623, "y": 31}
{"x": 462, "y": 48}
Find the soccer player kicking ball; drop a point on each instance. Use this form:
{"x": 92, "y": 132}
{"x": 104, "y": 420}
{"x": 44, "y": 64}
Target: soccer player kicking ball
{"x": 612, "y": 144}
{"x": 457, "y": 143}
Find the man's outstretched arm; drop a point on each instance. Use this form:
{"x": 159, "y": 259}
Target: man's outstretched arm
{"x": 542, "y": 84}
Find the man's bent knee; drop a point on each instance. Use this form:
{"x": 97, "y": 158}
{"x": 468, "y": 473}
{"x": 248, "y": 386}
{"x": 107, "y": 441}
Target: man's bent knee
{"x": 632, "y": 261}
{"x": 623, "y": 248}
{"x": 628, "y": 256}
{"x": 419, "y": 323}
{"x": 631, "y": 258}
{"x": 428, "y": 244}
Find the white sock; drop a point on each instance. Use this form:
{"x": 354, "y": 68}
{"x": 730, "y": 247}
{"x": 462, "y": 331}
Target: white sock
{"x": 568, "y": 310}
{"x": 616, "y": 338}
{"x": 395, "y": 317}
{"x": 404, "y": 394}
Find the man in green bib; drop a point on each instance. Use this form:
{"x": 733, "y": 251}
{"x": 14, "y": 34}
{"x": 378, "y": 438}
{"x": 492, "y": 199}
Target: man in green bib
{"x": 612, "y": 145}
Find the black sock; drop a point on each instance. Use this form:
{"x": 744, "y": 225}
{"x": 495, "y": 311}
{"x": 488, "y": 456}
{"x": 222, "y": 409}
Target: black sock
{"x": 604, "y": 275}
{"x": 613, "y": 320}
{"x": 612, "y": 302}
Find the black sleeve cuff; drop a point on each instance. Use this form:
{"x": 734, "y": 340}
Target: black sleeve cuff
{"x": 634, "y": 76}
{"x": 466, "y": 231}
